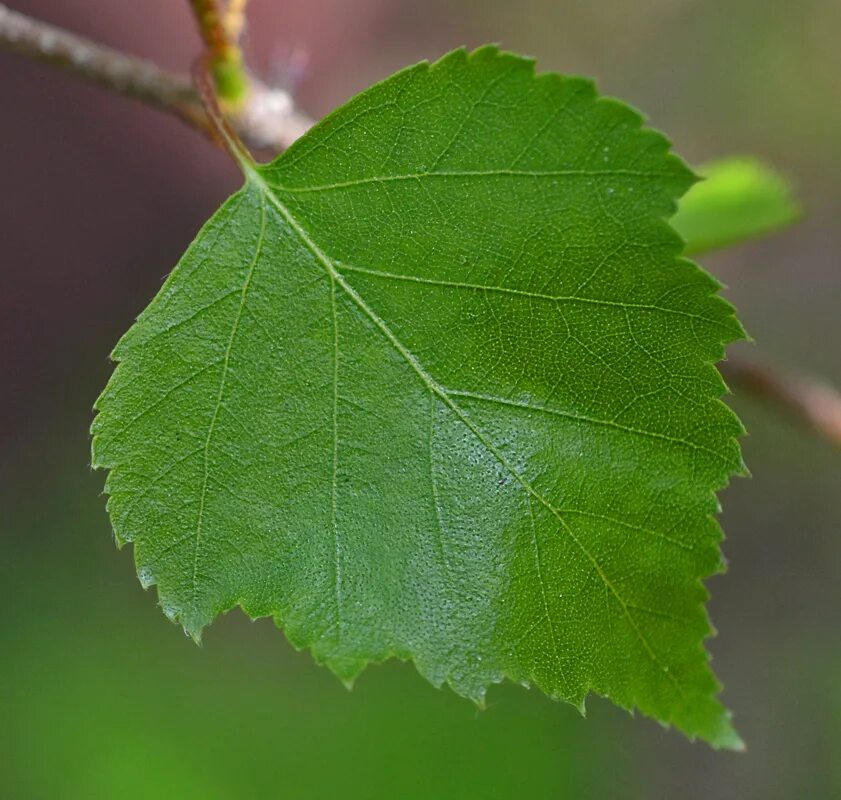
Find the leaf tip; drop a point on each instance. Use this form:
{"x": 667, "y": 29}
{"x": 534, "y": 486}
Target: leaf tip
{"x": 727, "y": 737}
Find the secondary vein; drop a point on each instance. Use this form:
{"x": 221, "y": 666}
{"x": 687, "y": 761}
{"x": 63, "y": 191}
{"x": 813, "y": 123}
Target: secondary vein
{"x": 220, "y": 395}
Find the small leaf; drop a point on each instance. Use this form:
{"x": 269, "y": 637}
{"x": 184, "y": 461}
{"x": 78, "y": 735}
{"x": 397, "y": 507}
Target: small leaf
{"x": 436, "y": 385}
{"x": 738, "y": 199}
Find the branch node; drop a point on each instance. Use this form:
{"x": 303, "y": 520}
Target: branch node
{"x": 268, "y": 118}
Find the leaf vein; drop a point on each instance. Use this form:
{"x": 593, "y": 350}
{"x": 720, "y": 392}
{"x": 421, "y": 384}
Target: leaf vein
{"x": 523, "y": 293}
{"x": 220, "y": 396}
{"x": 491, "y": 173}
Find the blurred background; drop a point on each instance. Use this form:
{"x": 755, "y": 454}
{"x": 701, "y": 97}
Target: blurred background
{"x": 101, "y": 697}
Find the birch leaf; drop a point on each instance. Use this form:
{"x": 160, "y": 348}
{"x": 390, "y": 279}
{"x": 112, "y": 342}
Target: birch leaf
{"x": 436, "y": 384}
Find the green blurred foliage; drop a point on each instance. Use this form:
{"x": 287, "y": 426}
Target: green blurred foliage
{"x": 738, "y": 199}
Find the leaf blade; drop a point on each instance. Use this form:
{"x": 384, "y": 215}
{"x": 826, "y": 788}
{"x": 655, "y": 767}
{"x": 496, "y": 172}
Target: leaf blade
{"x": 402, "y": 458}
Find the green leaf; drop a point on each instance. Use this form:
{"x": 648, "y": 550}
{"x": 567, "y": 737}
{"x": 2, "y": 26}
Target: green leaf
{"x": 436, "y": 385}
{"x": 738, "y": 199}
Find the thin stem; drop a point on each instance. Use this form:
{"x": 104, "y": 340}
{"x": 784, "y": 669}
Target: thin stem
{"x": 222, "y": 129}
{"x": 269, "y": 119}
{"x": 224, "y": 54}
{"x": 806, "y": 400}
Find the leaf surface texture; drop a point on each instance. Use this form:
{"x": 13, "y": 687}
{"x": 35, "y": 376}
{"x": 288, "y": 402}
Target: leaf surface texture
{"x": 436, "y": 385}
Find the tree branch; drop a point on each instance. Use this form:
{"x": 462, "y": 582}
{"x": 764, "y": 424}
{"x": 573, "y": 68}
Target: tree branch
{"x": 96, "y": 64}
{"x": 269, "y": 119}
{"x": 806, "y": 400}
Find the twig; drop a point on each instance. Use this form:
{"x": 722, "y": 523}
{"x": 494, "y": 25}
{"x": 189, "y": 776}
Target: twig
{"x": 807, "y": 400}
{"x": 269, "y": 119}
{"x": 97, "y": 64}
{"x": 224, "y": 56}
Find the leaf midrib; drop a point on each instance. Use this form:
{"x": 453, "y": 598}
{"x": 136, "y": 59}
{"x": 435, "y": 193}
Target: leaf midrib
{"x": 255, "y": 178}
